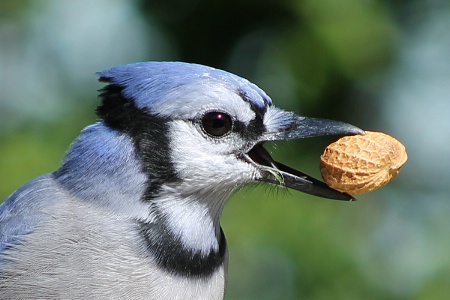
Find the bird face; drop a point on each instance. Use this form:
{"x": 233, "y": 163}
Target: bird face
{"x": 208, "y": 141}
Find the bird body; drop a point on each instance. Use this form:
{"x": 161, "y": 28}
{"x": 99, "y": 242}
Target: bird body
{"x": 92, "y": 258}
{"x": 134, "y": 211}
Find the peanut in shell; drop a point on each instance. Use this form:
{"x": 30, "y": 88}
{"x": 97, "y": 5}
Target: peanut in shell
{"x": 362, "y": 163}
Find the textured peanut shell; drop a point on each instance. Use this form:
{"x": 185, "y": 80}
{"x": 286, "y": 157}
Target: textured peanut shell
{"x": 362, "y": 163}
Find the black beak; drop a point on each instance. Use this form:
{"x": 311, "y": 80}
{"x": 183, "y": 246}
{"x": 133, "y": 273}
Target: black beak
{"x": 294, "y": 127}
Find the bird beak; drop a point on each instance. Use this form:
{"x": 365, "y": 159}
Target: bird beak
{"x": 283, "y": 125}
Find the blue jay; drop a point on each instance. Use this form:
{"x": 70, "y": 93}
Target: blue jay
{"x": 134, "y": 210}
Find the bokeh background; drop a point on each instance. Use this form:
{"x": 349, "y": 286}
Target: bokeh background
{"x": 380, "y": 65}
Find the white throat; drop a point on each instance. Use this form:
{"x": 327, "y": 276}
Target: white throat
{"x": 194, "y": 220}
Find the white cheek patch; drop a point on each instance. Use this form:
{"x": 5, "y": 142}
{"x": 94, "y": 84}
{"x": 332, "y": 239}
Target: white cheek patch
{"x": 205, "y": 161}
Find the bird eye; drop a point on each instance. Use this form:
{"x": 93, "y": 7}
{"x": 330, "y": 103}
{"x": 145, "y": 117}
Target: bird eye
{"x": 217, "y": 123}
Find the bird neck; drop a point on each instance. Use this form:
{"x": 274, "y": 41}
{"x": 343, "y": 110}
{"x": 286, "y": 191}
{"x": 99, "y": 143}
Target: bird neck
{"x": 183, "y": 233}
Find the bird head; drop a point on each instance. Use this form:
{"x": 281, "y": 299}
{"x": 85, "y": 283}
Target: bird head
{"x": 204, "y": 128}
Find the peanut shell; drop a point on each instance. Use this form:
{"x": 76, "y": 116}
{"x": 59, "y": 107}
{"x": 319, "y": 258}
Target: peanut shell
{"x": 362, "y": 163}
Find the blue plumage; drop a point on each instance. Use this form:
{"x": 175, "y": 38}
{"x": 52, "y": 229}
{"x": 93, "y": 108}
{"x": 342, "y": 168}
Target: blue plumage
{"x": 152, "y": 84}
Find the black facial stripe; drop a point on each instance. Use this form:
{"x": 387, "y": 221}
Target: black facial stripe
{"x": 171, "y": 256}
{"x": 256, "y": 126}
{"x": 149, "y": 133}
{"x": 250, "y": 132}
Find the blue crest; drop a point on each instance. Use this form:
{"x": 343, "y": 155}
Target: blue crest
{"x": 151, "y": 84}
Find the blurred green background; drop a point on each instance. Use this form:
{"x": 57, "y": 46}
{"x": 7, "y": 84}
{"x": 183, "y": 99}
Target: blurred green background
{"x": 380, "y": 65}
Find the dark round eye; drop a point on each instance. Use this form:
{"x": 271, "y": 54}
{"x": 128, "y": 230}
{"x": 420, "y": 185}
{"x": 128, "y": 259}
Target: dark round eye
{"x": 217, "y": 123}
